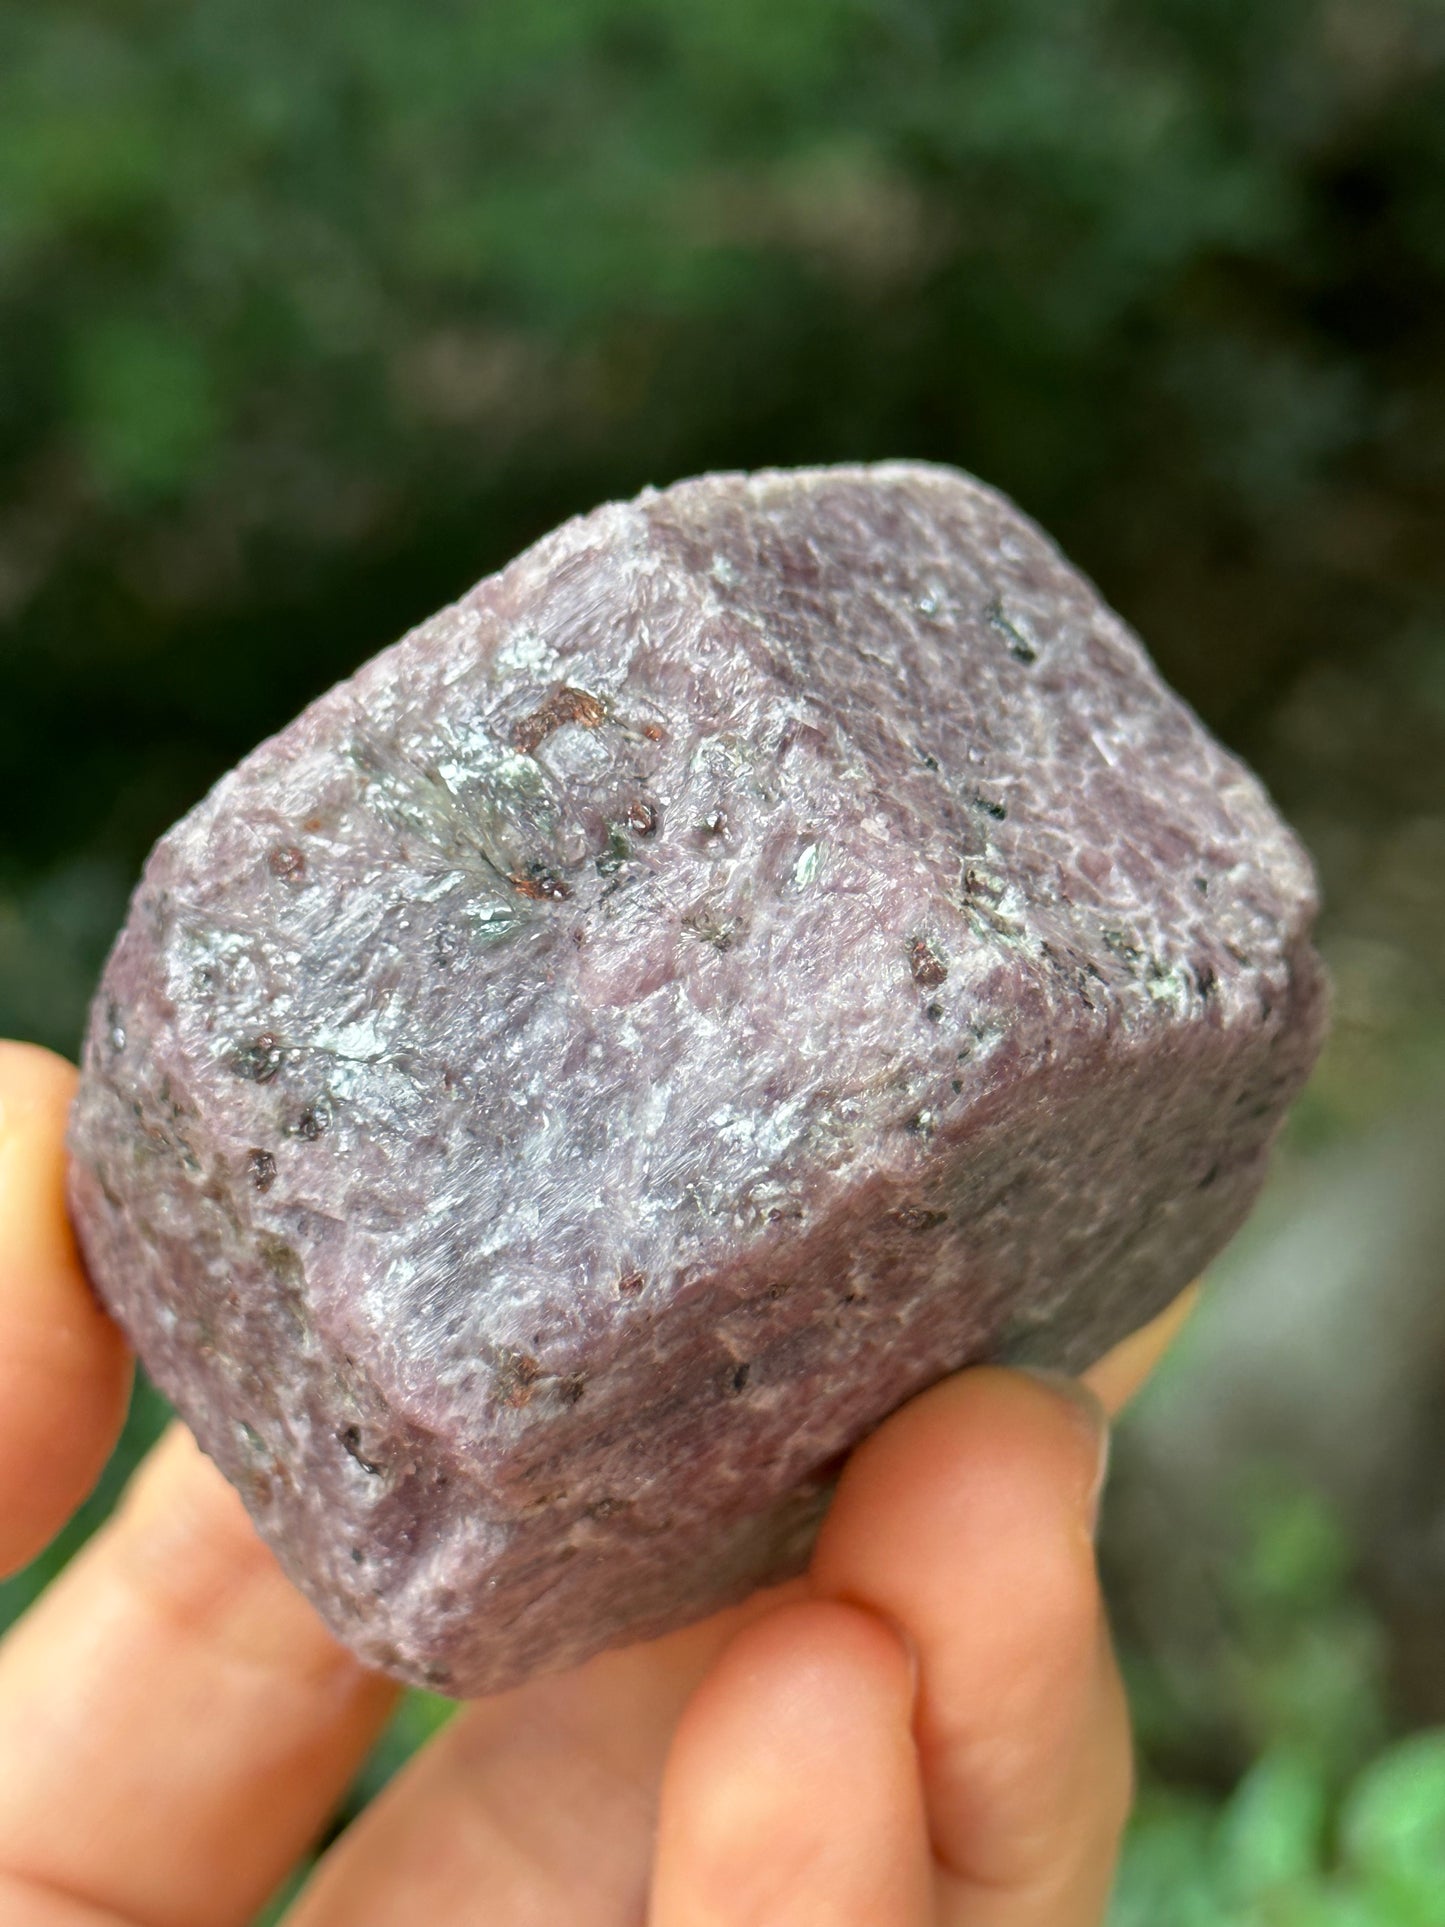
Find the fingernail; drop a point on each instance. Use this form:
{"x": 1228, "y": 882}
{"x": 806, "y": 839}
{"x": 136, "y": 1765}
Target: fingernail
{"x": 1094, "y": 1419}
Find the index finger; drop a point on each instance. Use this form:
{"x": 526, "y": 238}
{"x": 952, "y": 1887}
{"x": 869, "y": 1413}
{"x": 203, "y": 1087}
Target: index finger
{"x": 64, "y": 1369}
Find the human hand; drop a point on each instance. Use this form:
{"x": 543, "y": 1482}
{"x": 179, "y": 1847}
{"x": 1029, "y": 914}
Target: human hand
{"x": 927, "y": 1730}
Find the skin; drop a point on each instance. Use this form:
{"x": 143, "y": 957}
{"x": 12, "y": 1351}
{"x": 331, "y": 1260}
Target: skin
{"x": 925, "y": 1731}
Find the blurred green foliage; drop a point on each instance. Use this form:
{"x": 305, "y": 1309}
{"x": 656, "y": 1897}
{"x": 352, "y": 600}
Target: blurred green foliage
{"x": 308, "y": 316}
{"x": 1332, "y": 1824}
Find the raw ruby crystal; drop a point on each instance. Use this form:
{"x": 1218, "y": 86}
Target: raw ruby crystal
{"x": 776, "y": 942}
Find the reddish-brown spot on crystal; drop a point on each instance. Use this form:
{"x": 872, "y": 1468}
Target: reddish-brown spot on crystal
{"x": 929, "y": 969}
{"x": 642, "y": 817}
{"x": 261, "y": 1170}
{"x": 538, "y": 882}
{"x": 287, "y": 863}
{"x": 564, "y": 705}
{"x": 516, "y": 1377}
{"x": 631, "y": 1285}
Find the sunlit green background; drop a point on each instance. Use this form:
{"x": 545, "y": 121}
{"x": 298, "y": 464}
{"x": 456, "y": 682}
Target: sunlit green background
{"x": 310, "y": 314}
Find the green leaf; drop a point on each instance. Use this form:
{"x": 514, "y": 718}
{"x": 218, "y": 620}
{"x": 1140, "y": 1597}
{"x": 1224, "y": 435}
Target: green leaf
{"x": 1340, "y": 1907}
{"x": 1298, "y": 1556}
{"x": 1166, "y": 1872}
{"x": 1393, "y": 1823}
{"x": 144, "y": 406}
{"x": 1271, "y": 1835}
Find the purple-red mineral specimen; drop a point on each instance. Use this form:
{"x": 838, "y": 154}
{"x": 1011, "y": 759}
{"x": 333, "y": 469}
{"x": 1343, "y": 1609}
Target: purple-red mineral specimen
{"x": 776, "y": 942}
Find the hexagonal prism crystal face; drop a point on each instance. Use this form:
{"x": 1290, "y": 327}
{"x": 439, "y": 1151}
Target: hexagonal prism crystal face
{"x": 774, "y": 943}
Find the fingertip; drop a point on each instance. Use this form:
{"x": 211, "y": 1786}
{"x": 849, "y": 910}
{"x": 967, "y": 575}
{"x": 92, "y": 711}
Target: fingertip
{"x": 35, "y": 1060}
{"x": 966, "y": 1520}
{"x": 36, "y": 1089}
{"x": 1121, "y": 1373}
{"x": 820, "y": 1665}
{"x": 792, "y": 1781}
{"x": 958, "y": 1455}
{"x": 64, "y": 1368}
{"x": 986, "y": 1486}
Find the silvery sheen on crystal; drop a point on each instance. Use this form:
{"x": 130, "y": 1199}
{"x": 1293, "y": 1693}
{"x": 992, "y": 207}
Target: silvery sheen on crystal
{"x": 774, "y": 943}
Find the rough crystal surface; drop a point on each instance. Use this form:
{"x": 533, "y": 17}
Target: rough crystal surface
{"x": 774, "y": 943}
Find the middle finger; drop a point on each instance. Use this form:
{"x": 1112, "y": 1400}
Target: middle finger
{"x": 175, "y": 1721}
